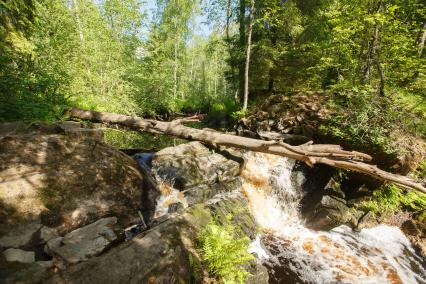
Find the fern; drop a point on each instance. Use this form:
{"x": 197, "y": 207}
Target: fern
{"x": 225, "y": 256}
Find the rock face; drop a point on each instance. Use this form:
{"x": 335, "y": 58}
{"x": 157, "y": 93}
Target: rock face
{"x": 65, "y": 182}
{"x": 85, "y": 242}
{"x": 19, "y": 236}
{"x": 195, "y": 172}
{"x": 161, "y": 255}
{"x": 192, "y": 164}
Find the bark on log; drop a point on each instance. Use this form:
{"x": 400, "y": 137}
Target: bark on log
{"x": 332, "y": 155}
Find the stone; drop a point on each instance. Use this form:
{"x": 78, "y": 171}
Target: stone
{"x": 175, "y": 207}
{"x": 46, "y": 234}
{"x": 331, "y": 212}
{"x": 85, "y": 242}
{"x": 46, "y": 263}
{"x": 85, "y": 133}
{"x": 66, "y": 183}
{"x": 20, "y": 235}
{"x": 161, "y": 254}
{"x": 192, "y": 164}
{"x": 17, "y": 272}
{"x": 409, "y": 227}
{"x": 18, "y": 255}
{"x": 258, "y": 274}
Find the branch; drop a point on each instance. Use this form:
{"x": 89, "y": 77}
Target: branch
{"x": 332, "y": 155}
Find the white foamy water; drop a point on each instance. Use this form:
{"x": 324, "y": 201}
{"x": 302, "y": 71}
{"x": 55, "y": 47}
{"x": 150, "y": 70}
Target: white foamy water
{"x": 377, "y": 255}
{"x": 169, "y": 196}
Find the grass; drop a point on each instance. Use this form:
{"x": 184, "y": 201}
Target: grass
{"x": 414, "y": 104}
{"x": 125, "y": 139}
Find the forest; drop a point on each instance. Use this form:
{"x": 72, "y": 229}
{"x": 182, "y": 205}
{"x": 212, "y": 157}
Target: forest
{"x": 119, "y": 56}
{"x": 339, "y": 84}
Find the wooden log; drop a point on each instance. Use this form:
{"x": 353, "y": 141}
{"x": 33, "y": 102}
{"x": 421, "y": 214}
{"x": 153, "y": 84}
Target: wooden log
{"x": 311, "y": 154}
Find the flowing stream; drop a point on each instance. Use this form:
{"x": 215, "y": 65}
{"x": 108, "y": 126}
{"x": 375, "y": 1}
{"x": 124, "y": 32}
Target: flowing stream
{"x": 296, "y": 254}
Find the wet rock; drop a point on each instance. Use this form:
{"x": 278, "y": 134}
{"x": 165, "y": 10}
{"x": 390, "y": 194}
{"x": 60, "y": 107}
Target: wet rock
{"x": 175, "y": 207}
{"x": 162, "y": 254}
{"x": 19, "y": 236}
{"x": 409, "y": 227}
{"x": 18, "y": 255}
{"x": 192, "y": 164}
{"x": 85, "y": 242}
{"x": 66, "y": 183}
{"x": 201, "y": 193}
{"x": 259, "y": 274}
{"x": 367, "y": 220}
{"x": 331, "y": 212}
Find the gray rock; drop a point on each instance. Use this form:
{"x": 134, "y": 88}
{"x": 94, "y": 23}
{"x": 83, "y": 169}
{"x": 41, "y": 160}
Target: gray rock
{"x": 175, "y": 207}
{"x": 259, "y": 274}
{"x": 46, "y": 234}
{"x": 85, "y": 242}
{"x": 332, "y": 211}
{"x": 162, "y": 254}
{"x": 18, "y": 255}
{"x": 46, "y": 264}
{"x": 192, "y": 164}
{"x": 19, "y": 236}
{"x": 85, "y": 133}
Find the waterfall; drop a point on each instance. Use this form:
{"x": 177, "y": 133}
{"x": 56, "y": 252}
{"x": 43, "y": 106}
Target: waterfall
{"x": 296, "y": 254}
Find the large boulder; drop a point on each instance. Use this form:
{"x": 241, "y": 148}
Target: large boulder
{"x": 85, "y": 242}
{"x": 63, "y": 181}
{"x": 192, "y": 173}
{"x": 164, "y": 254}
{"x": 193, "y": 164}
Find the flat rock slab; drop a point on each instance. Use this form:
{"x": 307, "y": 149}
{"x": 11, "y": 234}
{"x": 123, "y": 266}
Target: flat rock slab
{"x": 18, "y": 255}
{"x": 19, "y": 236}
{"x": 85, "y": 242}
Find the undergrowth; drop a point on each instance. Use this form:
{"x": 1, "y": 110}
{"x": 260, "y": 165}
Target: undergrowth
{"x": 224, "y": 254}
{"x": 125, "y": 139}
{"x": 390, "y": 199}
{"x": 364, "y": 119}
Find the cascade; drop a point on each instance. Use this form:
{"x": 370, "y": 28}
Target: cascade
{"x": 296, "y": 254}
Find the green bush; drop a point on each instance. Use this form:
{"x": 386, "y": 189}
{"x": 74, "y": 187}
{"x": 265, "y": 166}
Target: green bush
{"x": 389, "y": 199}
{"x": 365, "y": 120}
{"x": 225, "y": 255}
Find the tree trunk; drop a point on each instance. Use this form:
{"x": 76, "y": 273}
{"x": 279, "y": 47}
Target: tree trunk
{"x": 331, "y": 155}
{"x": 422, "y": 40}
{"x": 376, "y": 52}
{"x": 241, "y": 66}
{"x": 228, "y": 20}
{"x": 175, "y": 65}
{"x": 247, "y": 67}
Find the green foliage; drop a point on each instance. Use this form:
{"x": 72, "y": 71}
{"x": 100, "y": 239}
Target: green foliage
{"x": 420, "y": 172}
{"x": 124, "y": 139}
{"x": 364, "y": 120}
{"x": 389, "y": 199}
{"x": 225, "y": 255}
{"x": 239, "y": 114}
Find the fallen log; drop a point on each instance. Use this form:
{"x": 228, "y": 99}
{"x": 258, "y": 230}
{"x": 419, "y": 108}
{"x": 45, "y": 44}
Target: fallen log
{"x": 311, "y": 154}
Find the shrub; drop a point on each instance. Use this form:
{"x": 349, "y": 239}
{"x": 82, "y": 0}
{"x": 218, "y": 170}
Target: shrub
{"x": 390, "y": 198}
{"x": 365, "y": 120}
